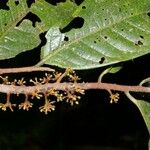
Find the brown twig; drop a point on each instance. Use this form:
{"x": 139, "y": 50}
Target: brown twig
{"x": 24, "y": 69}
{"x": 70, "y": 86}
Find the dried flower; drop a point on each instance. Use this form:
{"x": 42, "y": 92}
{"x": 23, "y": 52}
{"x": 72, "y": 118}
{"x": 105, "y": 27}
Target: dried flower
{"x": 21, "y": 82}
{"x": 57, "y": 75}
{"x": 79, "y": 90}
{"x": 69, "y": 71}
{"x": 36, "y": 94}
{"x": 60, "y": 97}
{"x": 7, "y": 105}
{"x": 71, "y": 97}
{"x": 5, "y": 80}
{"x": 48, "y": 106}
{"x": 46, "y": 79}
{"x": 53, "y": 92}
{"x": 26, "y": 104}
{"x": 35, "y": 81}
{"x": 114, "y": 97}
{"x": 14, "y": 82}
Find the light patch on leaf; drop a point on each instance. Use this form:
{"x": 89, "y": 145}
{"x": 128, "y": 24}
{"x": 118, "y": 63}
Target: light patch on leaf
{"x": 54, "y": 40}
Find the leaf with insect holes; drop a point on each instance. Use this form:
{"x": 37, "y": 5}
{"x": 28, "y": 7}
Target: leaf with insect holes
{"x": 16, "y": 39}
{"x": 18, "y": 34}
{"x": 107, "y": 36}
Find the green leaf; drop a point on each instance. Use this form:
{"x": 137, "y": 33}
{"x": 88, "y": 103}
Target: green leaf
{"x": 16, "y": 39}
{"x": 53, "y": 16}
{"x": 144, "y": 108}
{"x": 113, "y": 31}
{"x": 108, "y": 35}
{"x": 115, "y": 69}
{"x": 112, "y": 70}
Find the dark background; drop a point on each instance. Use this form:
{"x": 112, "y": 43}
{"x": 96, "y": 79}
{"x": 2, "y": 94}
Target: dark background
{"x": 94, "y": 124}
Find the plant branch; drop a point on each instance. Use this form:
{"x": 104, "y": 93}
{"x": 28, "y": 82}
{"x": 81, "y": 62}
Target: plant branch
{"x": 70, "y": 86}
{"x": 24, "y": 69}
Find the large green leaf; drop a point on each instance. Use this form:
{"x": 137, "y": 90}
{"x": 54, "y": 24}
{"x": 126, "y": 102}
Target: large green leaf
{"x": 16, "y": 39}
{"x": 13, "y": 39}
{"x": 144, "y": 108}
{"x": 53, "y": 16}
{"x": 107, "y": 36}
{"x": 113, "y": 31}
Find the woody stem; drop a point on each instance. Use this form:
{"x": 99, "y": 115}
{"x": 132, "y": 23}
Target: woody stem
{"x": 25, "y": 69}
{"x": 71, "y": 86}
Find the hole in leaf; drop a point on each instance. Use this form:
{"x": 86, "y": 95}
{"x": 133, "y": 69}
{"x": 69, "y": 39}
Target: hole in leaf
{"x": 16, "y": 2}
{"x": 95, "y": 42}
{"x": 139, "y": 43}
{"x": 43, "y": 39}
{"x": 148, "y": 14}
{"x": 66, "y": 38}
{"x": 105, "y": 37}
{"x": 30, "y": 2}
{"x": 102, "y": 60}
{"x": 83, "y": 7}
{"x": 32, "y": 17}
{"x": 28, "y": 58}
{"x": 142, "y": 37}
{"x": 122, "y": 29}
{"x": 78, "y": 2}
{"x": 75, "y": 23}
{"x": 54, "y": 2}
{"x": 33, "y": 55}
{"x": 5, "y": 24}
{"x": 3, "y": 4}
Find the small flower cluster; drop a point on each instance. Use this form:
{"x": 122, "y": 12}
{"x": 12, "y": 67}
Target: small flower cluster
{"x": 114, "y": 98}
{"x": 50, "y": 96}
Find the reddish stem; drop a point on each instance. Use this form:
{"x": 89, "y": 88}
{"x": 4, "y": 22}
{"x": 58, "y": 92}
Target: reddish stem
{"x": 63, "y": 86}
{"x": 24, "y": 69}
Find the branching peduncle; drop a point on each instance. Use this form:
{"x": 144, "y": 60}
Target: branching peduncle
{"x": 56, "y": 85}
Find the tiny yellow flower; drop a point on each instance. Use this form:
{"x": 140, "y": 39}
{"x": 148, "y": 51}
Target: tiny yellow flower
{"x": 7, "y": 105}
{"x": 114, "y": 98}
{"x": 48, "y": 106}
{"x": 25, "y": 105}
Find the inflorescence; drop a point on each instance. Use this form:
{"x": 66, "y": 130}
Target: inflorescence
{"x": 51, "y": 96}
{"x": 54, "y": 87}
